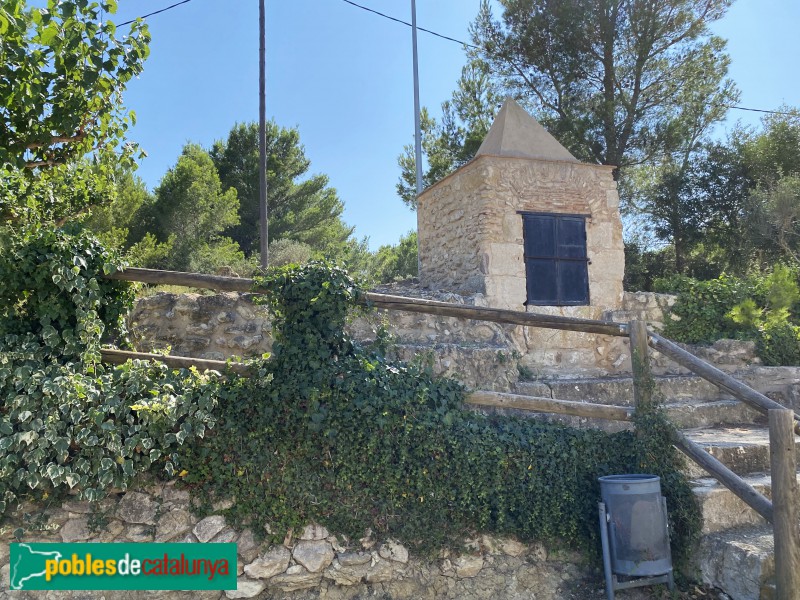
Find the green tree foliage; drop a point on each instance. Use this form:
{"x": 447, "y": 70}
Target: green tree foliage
{"x": 62, "y": 70}
{"x": 775, "y": 152}
{"x": 453, "y": 141}
{"x": 57, "y": 194}
{"x": 644, "y": 266}
{"x": 302, "y": 207}
{"x": 393, "y": 263}
{"x": 618, "y": 82}
{"x": 748, "y": 191}
{"x": 190, "y": 211}
{"x": 114, "y": 220}
{"x": 699, "y": 207}
{"x": 776, "y": 214}
{"x": 732, "y": 207}
{"x": 62, "y": 73}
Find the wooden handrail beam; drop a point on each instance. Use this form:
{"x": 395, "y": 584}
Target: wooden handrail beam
{"x": 118, "y": 357}
{"x": 386, "y": 301}
{"x": 549, "y": 405}
{"x": 719, "y": 378}
{"x": 758, "y": 502}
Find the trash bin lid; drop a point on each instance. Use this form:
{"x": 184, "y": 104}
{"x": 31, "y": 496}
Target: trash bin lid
{"x": 630, "y": 478}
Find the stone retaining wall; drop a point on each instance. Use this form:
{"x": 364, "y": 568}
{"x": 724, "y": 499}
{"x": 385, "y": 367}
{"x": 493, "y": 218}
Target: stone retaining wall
{"x": 480, "y": 354}
{"x": 313, "y": 564}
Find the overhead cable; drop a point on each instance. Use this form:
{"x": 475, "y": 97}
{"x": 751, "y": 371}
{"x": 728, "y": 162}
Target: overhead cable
{"x": 165, "y": 9}
{"x": 450, "y": 39}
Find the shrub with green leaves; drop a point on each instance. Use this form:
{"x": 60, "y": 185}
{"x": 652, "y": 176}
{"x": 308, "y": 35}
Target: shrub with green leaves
{"x": 760, "y": 308}
{"x": 703, "y": 308}
{"x": 778, "y": 343}
{"x": 334, "y": 433}
{"x": 68, "y": 422}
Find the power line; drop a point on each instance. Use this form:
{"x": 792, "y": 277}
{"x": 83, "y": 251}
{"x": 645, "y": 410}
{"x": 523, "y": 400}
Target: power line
{"x": 761, "y": 110}
{"x": 396, "y": 20}
{"x": 154, "y": 13}
{"x": 450, "y": 39}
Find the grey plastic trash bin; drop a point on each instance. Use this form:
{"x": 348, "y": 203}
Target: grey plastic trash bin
{"x": 634, "y": 531}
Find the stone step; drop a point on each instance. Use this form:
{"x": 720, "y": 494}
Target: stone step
{"x": 739, "y": 561}
{"x": 743, "y": 449}
{"x": 712, "y": 414}
{"x": 684, "y": 416}
{"x": 722, "y": 510}
{"x": 567, "y": 420}
{"x": 673, "y": 389}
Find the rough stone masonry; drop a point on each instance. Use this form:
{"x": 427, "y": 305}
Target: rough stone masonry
{"x": 312, "y": 563}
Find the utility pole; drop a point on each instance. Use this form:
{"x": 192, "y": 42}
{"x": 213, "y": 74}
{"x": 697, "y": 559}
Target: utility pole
{"x": 417, "y": 132}
{"x": 262, "y": 135}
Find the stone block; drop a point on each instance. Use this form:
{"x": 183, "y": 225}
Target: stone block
{"x": 599, "y": 236}
{"x": 76, "y": 530}
{"x": 313, "y": 555}
{"x": 347, "y": 574}
{"x": 314, "y": 532}
{"x": 140, "y": 533}
{"x": 468, "y": 566}
{"x": 173, "y": 524}
{"x": 382, "y": 570}
{"x": 393, "y": 550}
{"x": 209, "y": 527}
{"x": 740, "y": 562}
{"x": 75, "y": 506}
{"x": 296, "y": 580}
{"x": 136, "y": 507}
{"x": 506, "y": 292}
{"x": 226, "y": 536}
{"x": 247, "y": 546}
{"x": 505, "y": 260}
{"x": 351, "y": 559}
{"x": 272, "y": 563}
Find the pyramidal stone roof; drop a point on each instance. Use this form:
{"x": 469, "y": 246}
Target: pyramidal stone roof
{"x": 516, "y": 133}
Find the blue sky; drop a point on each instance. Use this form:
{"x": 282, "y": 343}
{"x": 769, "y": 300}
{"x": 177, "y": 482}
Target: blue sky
{"x": 343, "y": 76}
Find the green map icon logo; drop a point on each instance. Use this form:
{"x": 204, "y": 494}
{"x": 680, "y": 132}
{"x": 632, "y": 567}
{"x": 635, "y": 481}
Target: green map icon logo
{"x": 29, "y": 564}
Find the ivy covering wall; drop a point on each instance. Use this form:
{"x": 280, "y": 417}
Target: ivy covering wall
{"x": 328, "y": 431}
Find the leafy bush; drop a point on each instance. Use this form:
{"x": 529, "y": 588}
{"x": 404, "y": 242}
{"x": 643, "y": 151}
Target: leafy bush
{"x": 778, "y": 343}
{"x": 286, "y": 252}
{"x": 703, "y": 308}
{"x": 333, "y": 433}
{"x": 66, "y": 420}
{"x": 760, "y": 308}
{"x": 50, "y": 292}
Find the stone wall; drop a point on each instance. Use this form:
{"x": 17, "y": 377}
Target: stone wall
{"x": 212, "y": 326}
{"x": 470, "y": 232}
{"x": 313, "y": 564}
{"x": 477, "y": 353}
{"x": 482, "y": 355}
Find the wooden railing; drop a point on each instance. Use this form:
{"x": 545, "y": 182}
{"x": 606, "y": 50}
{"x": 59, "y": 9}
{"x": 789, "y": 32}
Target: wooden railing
{"x": 781, "y": 512}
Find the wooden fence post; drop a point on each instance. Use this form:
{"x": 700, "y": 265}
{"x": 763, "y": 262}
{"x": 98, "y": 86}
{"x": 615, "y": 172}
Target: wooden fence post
{"x": 785, "y": 526}
{"x": 640, "y": 363}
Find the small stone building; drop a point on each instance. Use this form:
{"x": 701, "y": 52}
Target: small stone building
{"x": 525, "y": 224}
